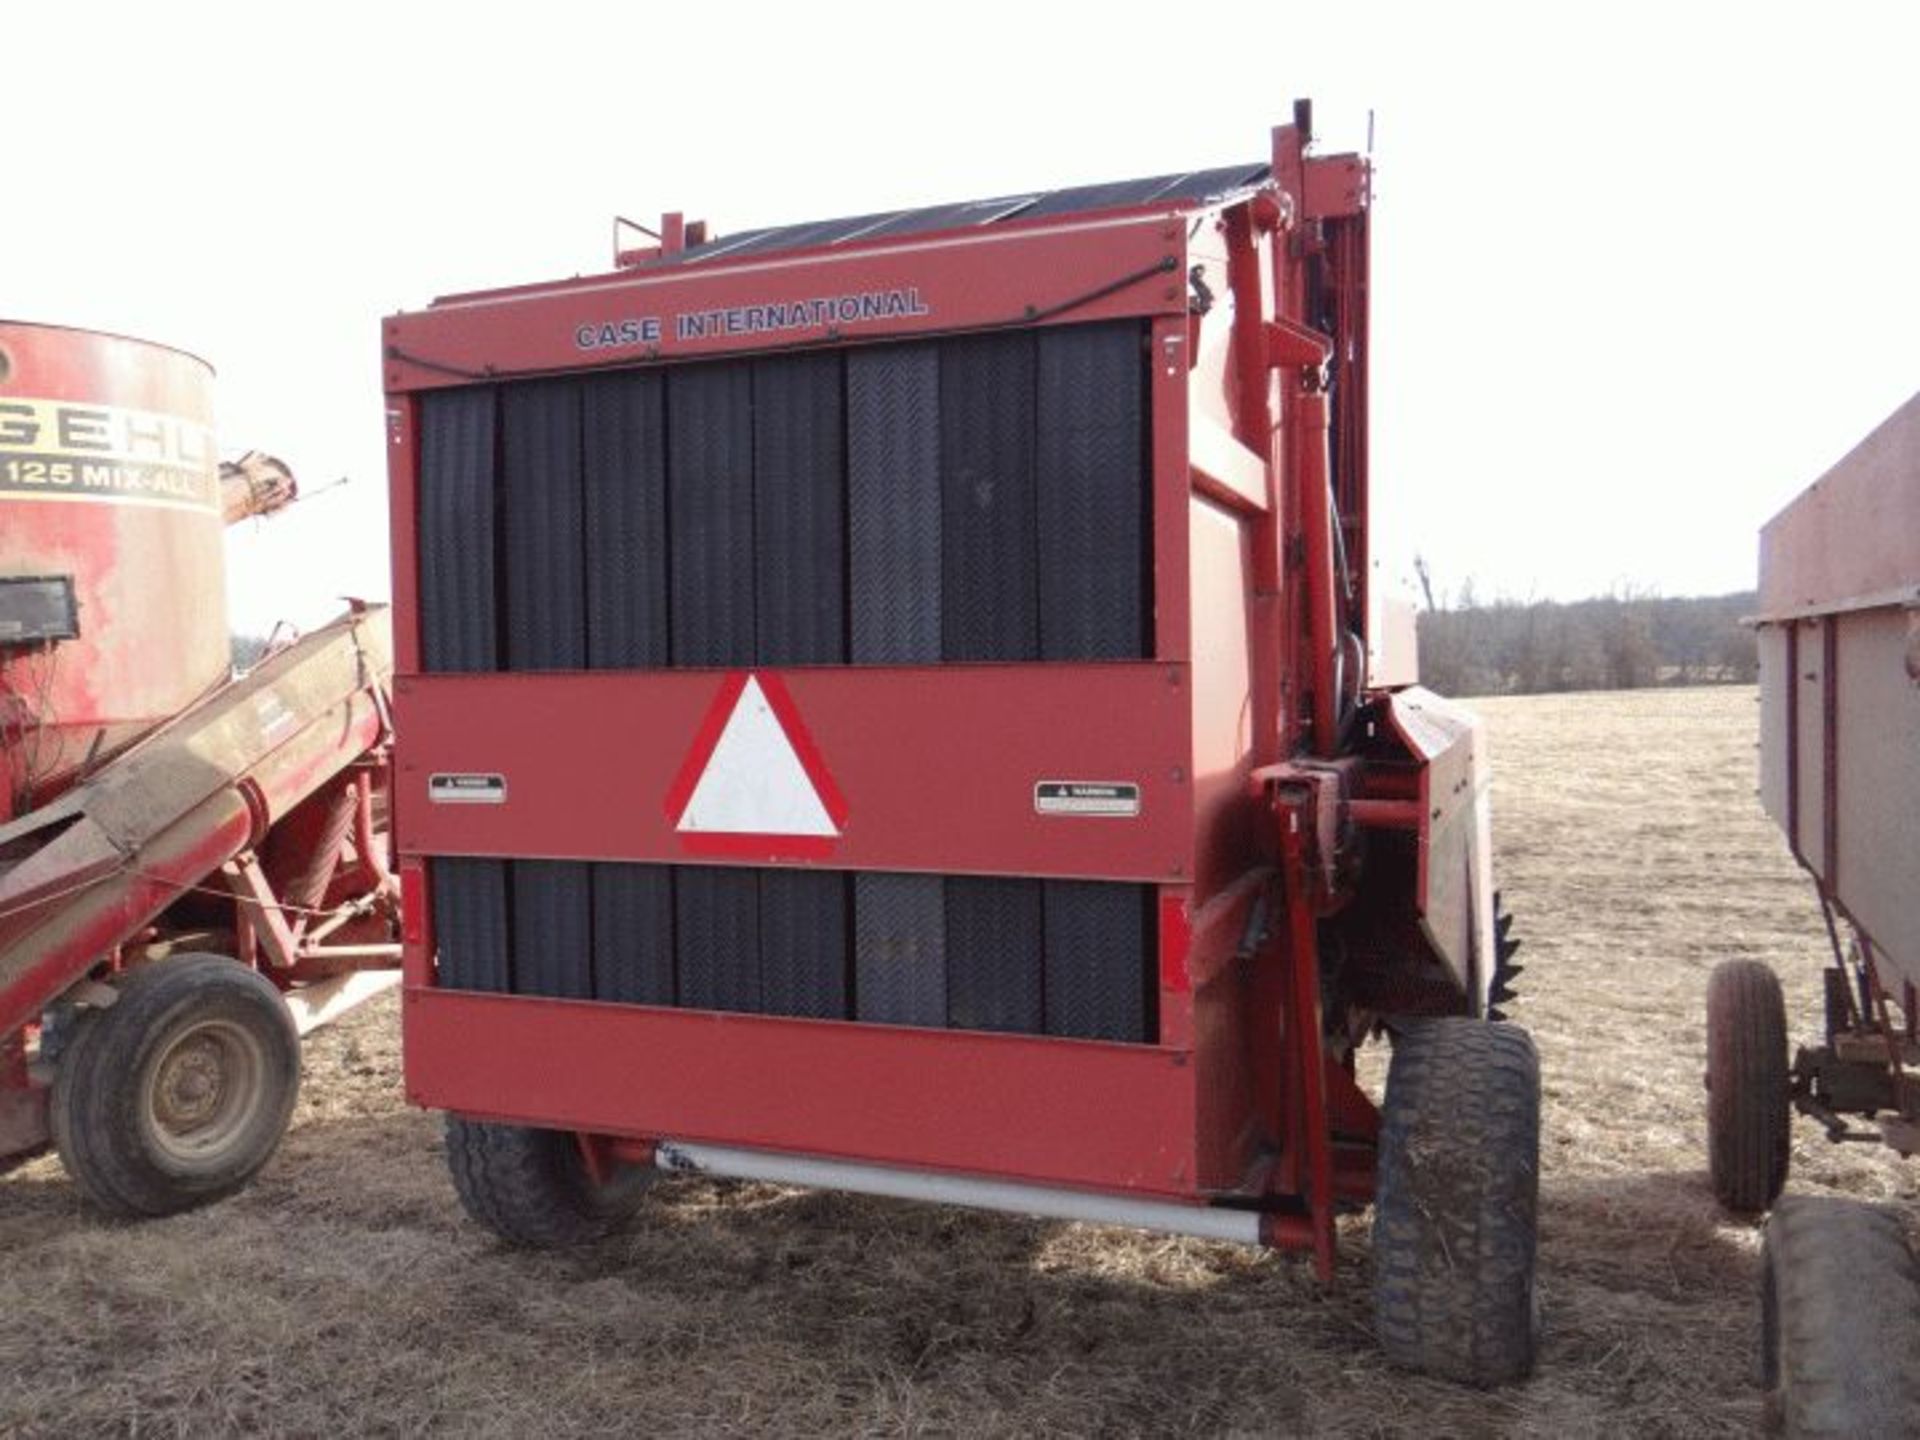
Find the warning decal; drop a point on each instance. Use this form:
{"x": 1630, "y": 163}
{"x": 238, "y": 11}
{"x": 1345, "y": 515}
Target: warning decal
{"x": 1112, "y": 798}
{"x": 754, "y": 784}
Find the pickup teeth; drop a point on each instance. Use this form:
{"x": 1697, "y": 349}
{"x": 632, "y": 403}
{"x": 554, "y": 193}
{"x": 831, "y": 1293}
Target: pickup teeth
{"x": 1505, "y": 972}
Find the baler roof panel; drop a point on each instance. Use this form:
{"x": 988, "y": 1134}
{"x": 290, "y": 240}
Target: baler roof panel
{"x": 1190, "y": 188}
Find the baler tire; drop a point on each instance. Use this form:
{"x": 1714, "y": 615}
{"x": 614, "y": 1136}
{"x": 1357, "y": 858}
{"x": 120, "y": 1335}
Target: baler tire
{"x": 531, "y": 1186}
{"x": 177, "y": 1093}
{"x": 1748, "y": 1103}
{"x": 1840, "y": 1326}
{"x": 1456, "y": 1204}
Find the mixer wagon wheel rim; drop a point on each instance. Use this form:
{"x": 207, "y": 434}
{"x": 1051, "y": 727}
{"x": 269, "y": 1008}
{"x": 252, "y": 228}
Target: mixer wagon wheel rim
{"x": 204, "y": 1091}
{"x": 177, "y": 1093}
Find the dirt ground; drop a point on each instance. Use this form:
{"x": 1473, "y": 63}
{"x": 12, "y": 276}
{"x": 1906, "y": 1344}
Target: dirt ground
{"x": 346, "y": 1294}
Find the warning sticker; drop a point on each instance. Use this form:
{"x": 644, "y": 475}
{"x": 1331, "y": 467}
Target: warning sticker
{"x": 1109, "y": 798}
{"x": 467, "y": 789}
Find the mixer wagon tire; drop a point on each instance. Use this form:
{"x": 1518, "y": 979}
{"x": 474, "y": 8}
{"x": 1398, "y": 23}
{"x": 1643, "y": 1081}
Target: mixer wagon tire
{"x": 1840, "y": 1319}
{"x": 1454, "y": 1228}
{"x": 177, "y": 1093}
{"x": 1747, "y": 1095}
{"x": 531, "y": 1187}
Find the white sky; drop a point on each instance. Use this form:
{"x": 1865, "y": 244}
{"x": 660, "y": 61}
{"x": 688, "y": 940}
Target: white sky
{"x": 1641, "y": 273}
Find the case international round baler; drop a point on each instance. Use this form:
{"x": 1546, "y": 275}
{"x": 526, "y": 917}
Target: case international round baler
{"x": 886, "y": 704}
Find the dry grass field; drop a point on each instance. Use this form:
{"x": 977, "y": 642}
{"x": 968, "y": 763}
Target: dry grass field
{"x": 345, "y": 1293}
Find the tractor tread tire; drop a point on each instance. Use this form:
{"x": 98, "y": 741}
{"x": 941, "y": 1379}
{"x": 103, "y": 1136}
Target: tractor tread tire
{"x": 97, "y": 1095}
{"x": 1748, "y": 1104}
{"x": 531, "y": 1186}
{"x": 1455, "y": 1214}
{"x": 1841, "y": 1319}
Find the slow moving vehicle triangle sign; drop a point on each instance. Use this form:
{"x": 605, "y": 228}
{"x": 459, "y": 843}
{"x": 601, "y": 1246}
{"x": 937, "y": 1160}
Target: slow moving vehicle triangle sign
{"x": 754, "y": 784}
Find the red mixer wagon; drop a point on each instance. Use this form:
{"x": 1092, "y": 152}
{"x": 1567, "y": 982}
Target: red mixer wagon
{"x": 190, "y": 872}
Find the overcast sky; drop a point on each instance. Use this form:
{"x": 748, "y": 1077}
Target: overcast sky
{"x": 1641, "y": 273}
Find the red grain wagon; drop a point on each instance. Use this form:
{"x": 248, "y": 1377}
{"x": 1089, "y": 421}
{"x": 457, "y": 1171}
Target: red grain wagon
{"x": 1839, "y": 640}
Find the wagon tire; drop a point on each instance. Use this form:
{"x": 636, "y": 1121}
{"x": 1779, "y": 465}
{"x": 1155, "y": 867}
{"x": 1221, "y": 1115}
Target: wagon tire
{"x": 1840, "y": 1306}
{"x": 1747, "y": 1090}
{"x": 531, "y": 1187}
{"x": 1454, "y": 1228}
{"x": 177, "y": 1093}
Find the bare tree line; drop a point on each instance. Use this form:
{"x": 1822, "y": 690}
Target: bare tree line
{"x": 1623, "y": 641}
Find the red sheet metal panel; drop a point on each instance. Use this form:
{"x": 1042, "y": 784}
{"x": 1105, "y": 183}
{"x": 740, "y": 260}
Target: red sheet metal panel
{"x": 1854, "y": 535}
{"x": 1081, "y": 271}
{"x": 937, "y": 767}
{"x": 1065, "y": 1112}
{"x": 1839, "y": 645}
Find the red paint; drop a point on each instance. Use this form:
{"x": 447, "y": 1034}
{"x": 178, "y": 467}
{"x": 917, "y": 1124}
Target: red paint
{"x": 1065, "y": 1112}
{"x": 150, "y": 580}
{"x": 973, "y": 279}
{"x": 413, "y": 904}
{"x": 933, "y": 767}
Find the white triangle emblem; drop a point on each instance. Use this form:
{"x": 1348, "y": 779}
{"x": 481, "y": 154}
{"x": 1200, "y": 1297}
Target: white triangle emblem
{"x": 754, "y": 782}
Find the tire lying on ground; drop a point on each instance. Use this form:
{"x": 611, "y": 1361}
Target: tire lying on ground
{"x": 1841, "y": 1319}
{"x": 1747, "y": 1100}
{"x": 177, "y": 1093}
{"x": 1454, "y": 1229}
{"x": 531, "y": 1187}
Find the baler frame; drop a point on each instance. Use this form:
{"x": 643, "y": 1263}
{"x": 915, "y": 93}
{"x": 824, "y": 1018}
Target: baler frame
{"x": 1267, "y": 427}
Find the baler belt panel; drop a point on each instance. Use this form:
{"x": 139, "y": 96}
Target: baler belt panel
{"x": 1057, "y": 958}
{"x": 457, "y": 621}
{"x": 717, "y": 937}
{"x": 710, "y": 519}
{"x": 458, "y": 611}
{"x": 989, "y": 592}
{"x": 977, "y": 499}
{"x": 470, "y": 919}
{"x": 633, "y": 934}
{"x": 800, "y": 606}
{"x": 893, "y": 504}
{"x": 542, "y": 517}
{"x": 624, "y": 463}
{"x": 624, "y": 433}
{"x": 552, "y": 929}
{"x": 900, "y": 949}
